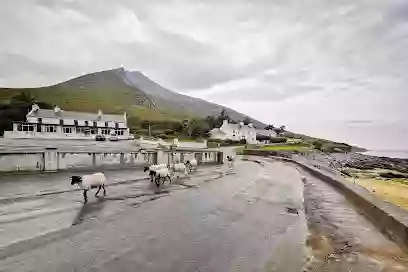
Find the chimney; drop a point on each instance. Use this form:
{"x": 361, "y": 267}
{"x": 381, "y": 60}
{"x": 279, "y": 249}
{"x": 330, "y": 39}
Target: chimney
{"x": 57, "y": 110}
{"x": 35, "y": 108}
{"x": 100, "y": 114}
{"x": 225, "y": 122}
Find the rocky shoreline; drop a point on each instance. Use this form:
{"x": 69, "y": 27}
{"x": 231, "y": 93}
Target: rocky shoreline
{"x": 339, "y": 161}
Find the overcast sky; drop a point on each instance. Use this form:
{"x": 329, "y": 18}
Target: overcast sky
{"x": 335, "y": 69}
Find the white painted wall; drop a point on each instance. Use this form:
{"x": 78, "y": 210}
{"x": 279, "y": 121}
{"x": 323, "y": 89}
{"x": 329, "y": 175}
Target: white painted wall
{"x": 21, "y": 162}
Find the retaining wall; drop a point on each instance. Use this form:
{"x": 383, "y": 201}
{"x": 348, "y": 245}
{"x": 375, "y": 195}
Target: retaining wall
{"x": 387, "y": 217}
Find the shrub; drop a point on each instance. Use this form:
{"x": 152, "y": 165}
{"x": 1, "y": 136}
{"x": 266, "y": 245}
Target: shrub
{"x": 278, "y": 140}
{"x": 318, "y": 145}
{"x": 164, "y": 136}
{"x": 243, "y": 141}
{"x": 215, "y": 140}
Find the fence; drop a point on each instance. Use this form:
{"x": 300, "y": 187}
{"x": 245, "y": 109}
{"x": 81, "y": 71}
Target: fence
{"x": 51, "y": 159}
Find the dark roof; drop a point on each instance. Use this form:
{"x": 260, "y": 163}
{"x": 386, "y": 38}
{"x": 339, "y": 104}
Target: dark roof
{"x": 265, "y": 132}
{"x": 42, "y": 113}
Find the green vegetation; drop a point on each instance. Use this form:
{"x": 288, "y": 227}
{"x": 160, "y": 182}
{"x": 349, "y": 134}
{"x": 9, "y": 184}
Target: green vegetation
{"x": 16, "y": 109}
{"x": 292, "y": 147}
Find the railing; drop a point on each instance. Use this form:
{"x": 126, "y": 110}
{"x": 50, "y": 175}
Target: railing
{"x": 52, "y": 159}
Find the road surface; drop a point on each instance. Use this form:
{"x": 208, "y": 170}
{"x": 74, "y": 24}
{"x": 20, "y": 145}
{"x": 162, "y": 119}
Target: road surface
{"x": 259, "y": 217}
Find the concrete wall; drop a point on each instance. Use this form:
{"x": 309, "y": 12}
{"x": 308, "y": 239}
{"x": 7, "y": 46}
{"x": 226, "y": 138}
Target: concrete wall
{"x": 54, "y": 160}
{"x": 22, "y": 162}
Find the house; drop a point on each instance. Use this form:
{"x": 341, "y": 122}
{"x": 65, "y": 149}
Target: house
{"x": 235, "y": 132}
{"x": 264, "y": 135}
{"x": 60, "y": 124}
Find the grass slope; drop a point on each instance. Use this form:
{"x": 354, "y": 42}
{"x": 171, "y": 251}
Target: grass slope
{"x": 102, "y": 90}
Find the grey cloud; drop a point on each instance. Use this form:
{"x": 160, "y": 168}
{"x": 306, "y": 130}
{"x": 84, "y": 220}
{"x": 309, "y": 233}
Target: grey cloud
{"x": 263, "y": 52}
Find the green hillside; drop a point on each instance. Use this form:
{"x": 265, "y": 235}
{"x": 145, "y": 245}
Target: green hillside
{"x": 102, "y": 90}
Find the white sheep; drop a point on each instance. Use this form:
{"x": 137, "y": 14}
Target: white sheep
{"x": 88, "y": 182}
{"x": 191, "y": 164}
{"x": 152, "y": 168}
{"x": 230, "y": 160}
{"x": 179, "y": 168}
{"x": 162, "y": 173}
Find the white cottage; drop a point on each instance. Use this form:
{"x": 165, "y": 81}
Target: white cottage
{"x": 236, "y": 132}
{"x": 60, "y": 124}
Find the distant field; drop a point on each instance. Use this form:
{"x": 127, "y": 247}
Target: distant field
{"x": 293, "y": 147}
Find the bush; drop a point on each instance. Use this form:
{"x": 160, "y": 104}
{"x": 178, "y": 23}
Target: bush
{"x": 164, "y": 136}
{"x": 278, "y": 140}
{"x": 243, "y": 141}
{"x": 215, "y": 140}
{"x": 318, "y": 145}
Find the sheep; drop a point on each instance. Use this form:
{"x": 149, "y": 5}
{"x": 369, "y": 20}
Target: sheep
{"x": 162, "y": 173}
{"x": 88, "y": 182}
{"x": 230, "y": 160}
{"x": 152, "y": 168}
{"x": 191, "y": 163}
{"x": 179, "y": 167}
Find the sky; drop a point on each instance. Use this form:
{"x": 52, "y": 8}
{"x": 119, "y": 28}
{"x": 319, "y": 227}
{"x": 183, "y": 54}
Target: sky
{"x": 334, "y": 69}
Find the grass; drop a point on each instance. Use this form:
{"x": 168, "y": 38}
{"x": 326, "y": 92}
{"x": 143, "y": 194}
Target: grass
{"x": 391, "y": 190}
{"x": 293, "y": 147}
{"x": 114, "y": 101}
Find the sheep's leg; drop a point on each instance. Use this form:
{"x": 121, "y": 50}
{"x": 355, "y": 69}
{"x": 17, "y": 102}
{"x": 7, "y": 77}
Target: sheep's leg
{"x": 157, "y": 181}
{"x": 169, "y": 178}
{"x": 85, "y": 197}
{"x": 97, "y": 192}
{"x": 104, "y": 190}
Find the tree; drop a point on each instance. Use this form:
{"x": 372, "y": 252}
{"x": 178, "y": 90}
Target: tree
{"x": 25, "y": 97}
{"x": 280, "y": 130}
{"x": 246, "y": 120}
{"x": 224, "y": 114}
{"x": 269, "y": 127}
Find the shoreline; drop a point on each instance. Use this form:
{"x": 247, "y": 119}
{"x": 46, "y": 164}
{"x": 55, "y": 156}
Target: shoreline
{"x": 339, "y": 161}
{"x": 385, "y": 177}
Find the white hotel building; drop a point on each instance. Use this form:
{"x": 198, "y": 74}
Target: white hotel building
{"x": 60, "y": 124}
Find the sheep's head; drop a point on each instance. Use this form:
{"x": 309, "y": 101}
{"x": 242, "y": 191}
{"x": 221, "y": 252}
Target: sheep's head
{"x": 76, "y": 180}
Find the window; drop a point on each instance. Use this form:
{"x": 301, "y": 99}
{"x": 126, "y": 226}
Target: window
{"x": 106, "y": 124}
{"x": 39, "y": 120}
{"x": 120, "y": 132}
{"x": 86, "y": 123}
{"x": 61, "y": 122}
{"x": 94, "y": 131}
{"x": 26, "y": 127}
{"x": 116, "y": 125}
{"x": 67, "y": 129}
{"x": 95, "y": 124}
{"x": 80, "y": 130}
{"x": 105, "y": 131}
{"x": 76, "y": 123}
{"x": 50, "y": 128}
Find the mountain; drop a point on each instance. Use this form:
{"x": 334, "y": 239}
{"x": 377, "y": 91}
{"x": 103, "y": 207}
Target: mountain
{"x": 167, "y": 99}
{"x": 117, "y": 90}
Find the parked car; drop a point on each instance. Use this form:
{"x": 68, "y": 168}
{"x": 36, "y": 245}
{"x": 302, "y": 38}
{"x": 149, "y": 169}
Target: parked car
{"x": 113, "y": 136}
{"x": 100, "y": 138}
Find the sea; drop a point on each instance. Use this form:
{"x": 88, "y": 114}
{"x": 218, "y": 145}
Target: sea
{"x": 379, "y": 139}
